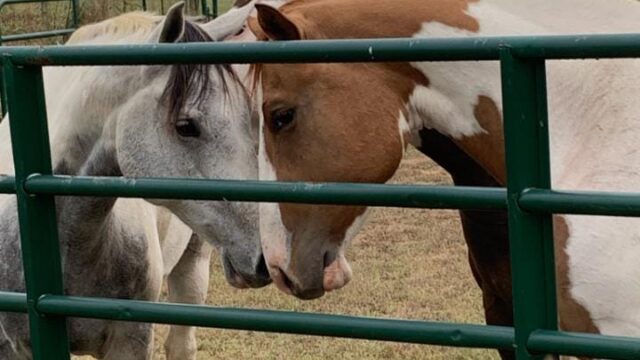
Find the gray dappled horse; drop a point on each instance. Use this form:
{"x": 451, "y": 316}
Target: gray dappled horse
{"x": 149, "y": 121}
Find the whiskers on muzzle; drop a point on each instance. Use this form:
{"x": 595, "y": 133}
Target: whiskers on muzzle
{"x": 311, "y": 282}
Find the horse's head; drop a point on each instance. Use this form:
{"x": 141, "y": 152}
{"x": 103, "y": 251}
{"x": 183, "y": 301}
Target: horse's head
{"x": 317, "y": 125}
{"x": 194, "y": 121}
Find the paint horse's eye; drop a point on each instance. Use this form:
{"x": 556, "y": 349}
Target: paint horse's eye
{"x": 187, "y": 127}
{"x": 282, "y": 118}
{"x": 241, "y": 30}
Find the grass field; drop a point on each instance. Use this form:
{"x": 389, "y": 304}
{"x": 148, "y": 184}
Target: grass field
{"x": 407, "y": 263}
{"x": 23, "y": 18}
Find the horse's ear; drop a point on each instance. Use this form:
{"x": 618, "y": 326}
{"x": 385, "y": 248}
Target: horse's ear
{"x": 275, "y": 25}
{"x": 231, "y": 22}
{"x": 241, "y": 3}
{"x": 171, "y": 29}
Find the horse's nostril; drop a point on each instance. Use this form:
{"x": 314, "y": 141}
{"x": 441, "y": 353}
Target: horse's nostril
{"x": 328, "y": 259}
{"x": 287, "y": 282}
{"x": 261, "y": 268}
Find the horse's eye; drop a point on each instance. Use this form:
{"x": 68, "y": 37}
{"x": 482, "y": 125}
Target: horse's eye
{"x": 240, "y": 31}
{"x": 282, "y": 118}
{"x": 187, "y": 128}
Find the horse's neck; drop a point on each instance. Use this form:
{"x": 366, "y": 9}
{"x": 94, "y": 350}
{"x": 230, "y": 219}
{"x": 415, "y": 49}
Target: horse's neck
{"x": 452, "y": 102}
{"x": 80, "y": 101}
{"x": 84, "y": 221}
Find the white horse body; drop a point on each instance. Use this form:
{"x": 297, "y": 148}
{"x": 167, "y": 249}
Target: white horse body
{"x": 64, "y": 83}
{"x": 594, "y": 129}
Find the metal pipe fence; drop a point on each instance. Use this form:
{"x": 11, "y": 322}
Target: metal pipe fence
{"x": 528, "y": 197}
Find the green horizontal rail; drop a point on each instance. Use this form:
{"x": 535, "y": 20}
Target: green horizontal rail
{"x": 419, "y": 332}
{"x": 11, "y": 2}
{"x": 580, "y": 202}
{"x": 367, "y": 50}
{"x": 412, "y": 196}
{"x": 541, "y": 341}
{"x": 37, "y": 35}
{"x": 7, "y": 185}
{"x": 578, "y": 344}
{"x": 13, "y": 302}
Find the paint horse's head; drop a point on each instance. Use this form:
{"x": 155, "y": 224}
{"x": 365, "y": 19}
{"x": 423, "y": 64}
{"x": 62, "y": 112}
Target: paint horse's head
{"x": 318, "y": 125}
{"x": 174, "y": 121}
{"x": 351, "y": 122}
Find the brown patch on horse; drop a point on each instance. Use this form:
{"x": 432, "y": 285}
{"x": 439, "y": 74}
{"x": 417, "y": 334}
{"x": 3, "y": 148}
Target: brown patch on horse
{"x": 487, "y": 148}
{"x": 334, "y": 224}
{"x": 485, "y": 231}
{"x": 573, "y": 316}
{"x": 404, "y": 16}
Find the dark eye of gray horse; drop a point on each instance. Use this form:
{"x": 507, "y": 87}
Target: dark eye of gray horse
{"x": 187, "y": 128}
{"x": 282, "y": 118}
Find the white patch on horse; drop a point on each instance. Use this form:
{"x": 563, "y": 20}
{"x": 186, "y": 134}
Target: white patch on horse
{"x": 339, "y": 273}
{"x": 448, "y": 103}
{"x": 354, "y": 228}
{"x": 587, "y": 152}
{"x": 405, "y": 131}
{"x": 276, "y": 239}
{"x": 431, "y": 109}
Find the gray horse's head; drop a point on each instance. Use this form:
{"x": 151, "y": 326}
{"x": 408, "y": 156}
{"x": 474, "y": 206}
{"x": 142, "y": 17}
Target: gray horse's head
{"x": 188, "y": 121}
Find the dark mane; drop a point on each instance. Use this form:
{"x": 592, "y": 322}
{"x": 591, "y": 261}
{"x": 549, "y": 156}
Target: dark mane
{"x": 192, "y": 81}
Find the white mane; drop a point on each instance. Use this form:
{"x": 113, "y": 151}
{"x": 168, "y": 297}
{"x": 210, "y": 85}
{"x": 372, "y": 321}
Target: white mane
{"x": 127, "y": 26}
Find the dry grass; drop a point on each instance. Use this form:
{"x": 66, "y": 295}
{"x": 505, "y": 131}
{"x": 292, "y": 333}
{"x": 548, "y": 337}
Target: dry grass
{"x": 407, "y": 264}
{"x": 23, "y": 18}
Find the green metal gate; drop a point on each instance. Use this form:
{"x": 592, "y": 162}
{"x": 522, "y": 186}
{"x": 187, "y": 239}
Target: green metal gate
{"x": 210, "y": 11}
{"x": 71, "y": 27}
{"x": 528, "y": 197}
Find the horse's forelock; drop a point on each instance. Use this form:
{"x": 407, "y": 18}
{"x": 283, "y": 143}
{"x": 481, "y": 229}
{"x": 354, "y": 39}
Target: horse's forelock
{"x": 193, "y": 80}
{"x": 255, "y": 71}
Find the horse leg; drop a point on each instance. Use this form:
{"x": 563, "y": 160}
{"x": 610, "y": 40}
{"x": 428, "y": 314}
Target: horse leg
{"x": 188, "y": 283}
{"x": 129, "y": 341}
{"x": 486, "y": 232}
{"x": 9, "y": 348}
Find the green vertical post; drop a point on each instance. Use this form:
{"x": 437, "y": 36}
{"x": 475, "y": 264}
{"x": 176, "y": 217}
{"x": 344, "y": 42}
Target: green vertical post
{"x": 203, "y": 8}
{"x": 74, "y": 13}
{"x": 530, "y": 235}
{"x": 144, "y": 5}
{"x": 3, "y": 90}
{"x": 214, "y": 9}
{"x": 37, "y": 214}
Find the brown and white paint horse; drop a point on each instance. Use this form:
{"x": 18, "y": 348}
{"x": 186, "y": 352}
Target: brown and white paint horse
{"x": 352, "y": 122}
